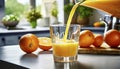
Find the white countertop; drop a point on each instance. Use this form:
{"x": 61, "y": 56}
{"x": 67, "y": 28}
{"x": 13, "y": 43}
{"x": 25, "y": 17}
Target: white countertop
{"x": 23, "y": 29}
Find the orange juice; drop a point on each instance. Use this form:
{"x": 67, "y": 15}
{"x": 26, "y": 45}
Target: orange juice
{"x": 65, "y": 49}
{"x": 65, "y": 40}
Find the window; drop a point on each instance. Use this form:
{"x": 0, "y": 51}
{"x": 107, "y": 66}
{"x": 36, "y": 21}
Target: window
{"x": 20, "y": 7}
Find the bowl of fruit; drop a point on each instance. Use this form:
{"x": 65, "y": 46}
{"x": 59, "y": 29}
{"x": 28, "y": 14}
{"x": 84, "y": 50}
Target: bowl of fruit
{"x": 10, "y": 20}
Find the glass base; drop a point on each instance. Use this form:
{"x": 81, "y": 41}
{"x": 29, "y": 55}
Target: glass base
{"x": 65, "y": 59}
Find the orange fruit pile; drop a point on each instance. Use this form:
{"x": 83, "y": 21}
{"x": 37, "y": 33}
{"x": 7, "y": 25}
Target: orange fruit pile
{"x": 88, "y": 38}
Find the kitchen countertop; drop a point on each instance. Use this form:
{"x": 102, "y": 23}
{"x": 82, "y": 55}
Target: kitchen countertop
{"x": 44, "y": 60}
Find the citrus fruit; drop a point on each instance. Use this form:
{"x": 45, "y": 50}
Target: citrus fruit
{"x": 29, "y": 43}
{"x": 86, "y": 38}
{"x": 98, "y": 24}
{"x": 112, "y": 38}
{"x": 45, "y": 43}
{"x": 98, "y": 40}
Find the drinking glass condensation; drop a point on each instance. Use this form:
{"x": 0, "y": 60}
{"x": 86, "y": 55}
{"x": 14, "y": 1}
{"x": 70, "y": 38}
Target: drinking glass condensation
{"x": 65, "y": 50}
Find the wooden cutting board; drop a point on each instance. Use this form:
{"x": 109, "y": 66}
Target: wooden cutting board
{"x": 103, "y": 50}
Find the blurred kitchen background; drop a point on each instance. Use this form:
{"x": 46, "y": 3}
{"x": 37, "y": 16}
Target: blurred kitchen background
{"x": 51, "y": 11}
{"x": 20, "y": 7}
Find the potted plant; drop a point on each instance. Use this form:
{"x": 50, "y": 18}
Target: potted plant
{"x": 32, "y": 17}
{"x": 81, "y": 15}
{"x": 54, "y": 12}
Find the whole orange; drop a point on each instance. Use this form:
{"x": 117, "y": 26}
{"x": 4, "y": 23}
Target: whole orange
{"x": 45, "y": 43}
{"x": 98, "y": 40}
{"x": 112, "y": 38}
{"x": 86, "y": 38}
{"x": 29, "y": 43}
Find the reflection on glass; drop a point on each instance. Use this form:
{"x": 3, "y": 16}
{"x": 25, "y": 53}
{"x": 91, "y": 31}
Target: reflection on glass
{"x": 71, "y": 65}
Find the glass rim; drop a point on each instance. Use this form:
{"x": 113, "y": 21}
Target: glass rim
{"x": 64, "y": 25}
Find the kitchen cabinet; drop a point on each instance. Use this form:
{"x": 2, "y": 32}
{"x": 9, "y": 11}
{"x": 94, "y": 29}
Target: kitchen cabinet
{"x": 9, "y": 40}
{"x": 11, "y": 37}
{"x": 1, "y": 41}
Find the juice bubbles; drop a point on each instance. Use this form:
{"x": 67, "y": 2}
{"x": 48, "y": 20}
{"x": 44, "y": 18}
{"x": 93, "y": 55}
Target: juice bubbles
{"x": 65, "y": 49}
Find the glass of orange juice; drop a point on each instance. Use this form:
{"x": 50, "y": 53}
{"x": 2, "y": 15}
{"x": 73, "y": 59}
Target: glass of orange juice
{"x": 65, "y": 50}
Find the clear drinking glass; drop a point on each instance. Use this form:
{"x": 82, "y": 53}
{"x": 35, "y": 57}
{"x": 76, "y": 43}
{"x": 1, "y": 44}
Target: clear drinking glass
{"x": 65, "y": 50}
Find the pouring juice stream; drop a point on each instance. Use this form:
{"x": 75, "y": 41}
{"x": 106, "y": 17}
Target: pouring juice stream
{"x": 64, "y": 47}
{"x": 97, "y": 4}
{"x": 69, "y": 19}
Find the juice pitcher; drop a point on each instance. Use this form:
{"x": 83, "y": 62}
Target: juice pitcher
{"x": 109, "y": 6}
